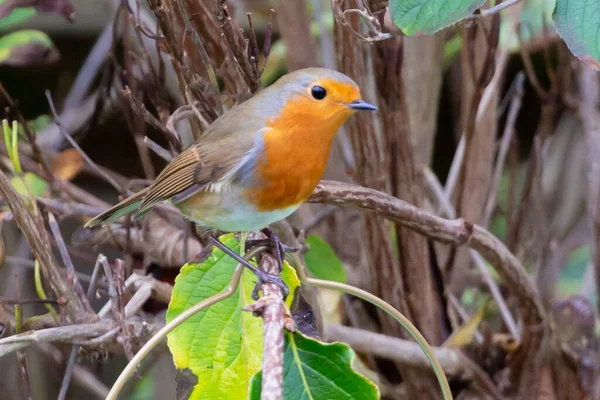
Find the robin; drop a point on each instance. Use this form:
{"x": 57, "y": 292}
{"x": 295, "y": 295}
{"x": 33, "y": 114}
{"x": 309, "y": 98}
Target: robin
{"x": 259, "y": 161}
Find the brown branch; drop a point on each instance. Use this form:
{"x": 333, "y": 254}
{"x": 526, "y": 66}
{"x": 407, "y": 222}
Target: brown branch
{"x": 457, "y": 232}
{"x": 272, "y": 310}
{"x": 151, "y": 120}
{"x": 76, "y": 146}
{"x": 590, "y": 117}
{"x": 77, "y": 309}
{"x": 409, "y": 354}
{"x": 72, "y": 334}
{"x": 509, "y": 131}
{"x": 64, "y": 253}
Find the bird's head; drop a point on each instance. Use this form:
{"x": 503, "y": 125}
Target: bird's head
{"x": 317, "y": 96}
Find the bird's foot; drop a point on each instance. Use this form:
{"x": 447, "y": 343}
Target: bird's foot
{"x": 276, "y": 280}
{"x": 263, "y": 276}
{"x": 273, "y": 244}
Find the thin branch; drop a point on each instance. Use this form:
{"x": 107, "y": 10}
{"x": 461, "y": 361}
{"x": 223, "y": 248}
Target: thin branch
{"x": 64, "y": 387}
{"x": 37, "y": 237}
{"x": 493, "y": 10}
{"x": 75, "y": 145}
{"x": 64, "y": 253}
{"x": 158, "y": 149}
{"x": 457, "y": 232}
{"x": 150, "y": 119}
{"x": 509, "y": 131}
{"x": 70, "y": 334}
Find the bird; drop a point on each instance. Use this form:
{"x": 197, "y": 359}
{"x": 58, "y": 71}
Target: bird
{"x": 259, "y": 161}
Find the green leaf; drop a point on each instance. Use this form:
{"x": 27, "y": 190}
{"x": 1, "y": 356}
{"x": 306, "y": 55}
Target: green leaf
{"x": 530, "y": 16}
{"x": 27, "y": 47}
{"x": 14, "y": 16}
{"x": 221, "y": 345}
{"x": 424, "y": 17}
{"x": 314, "y": 370}
{"x": 322, "y": 262}
{"x": 578, "y": 23}
{"x": 29, "y": 183}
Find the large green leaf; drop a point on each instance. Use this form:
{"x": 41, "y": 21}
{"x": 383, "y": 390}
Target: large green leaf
{"x": 578, "y": 23}
{"x": 424, "y": 17}
{"x": 322, "y": 262}
{"x": 221, "y": 345}
{"x": 27, "y": 47}
{"x": 314, "y": 370}
{"x": 530, "y": 17}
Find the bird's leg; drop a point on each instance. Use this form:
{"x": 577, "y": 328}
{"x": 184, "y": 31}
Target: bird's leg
{"x": 274, "y": 244}
{"x": 263, "y": 277}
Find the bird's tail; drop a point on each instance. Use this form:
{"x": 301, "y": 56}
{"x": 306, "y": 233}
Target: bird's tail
{"x": 128, "y": 205}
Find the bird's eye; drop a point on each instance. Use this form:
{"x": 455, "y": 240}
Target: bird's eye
{"x": 318, "y": 92}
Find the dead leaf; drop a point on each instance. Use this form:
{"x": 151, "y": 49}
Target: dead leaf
{"x": 466, "y": 333}
{"x": 67, "y": 165}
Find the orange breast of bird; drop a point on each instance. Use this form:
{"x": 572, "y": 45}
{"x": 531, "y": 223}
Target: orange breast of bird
{"x": 296, "y": 150}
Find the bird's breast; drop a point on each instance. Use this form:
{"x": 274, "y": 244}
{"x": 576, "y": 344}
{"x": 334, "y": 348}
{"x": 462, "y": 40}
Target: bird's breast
{"x": 291, "y": 166}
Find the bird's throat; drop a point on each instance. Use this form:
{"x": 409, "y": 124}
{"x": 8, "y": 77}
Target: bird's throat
{"x": 295, "y": 158}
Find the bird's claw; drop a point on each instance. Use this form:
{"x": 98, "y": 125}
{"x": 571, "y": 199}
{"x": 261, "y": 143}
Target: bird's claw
{"x": 276, "y": 280}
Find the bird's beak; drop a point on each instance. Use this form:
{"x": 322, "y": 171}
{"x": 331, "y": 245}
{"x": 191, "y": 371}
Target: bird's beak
{"x": 361, "y": 105}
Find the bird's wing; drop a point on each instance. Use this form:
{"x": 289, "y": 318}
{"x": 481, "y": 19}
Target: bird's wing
{"x": 205, "y": 165}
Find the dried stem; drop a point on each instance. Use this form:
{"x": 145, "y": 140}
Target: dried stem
{"x": 509, "y": 130}
{"x": 78, "y": 310}
{"x": 75, "y": 145}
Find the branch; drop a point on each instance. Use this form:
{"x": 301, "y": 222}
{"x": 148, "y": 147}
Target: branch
{"x": 493, "y": 10}
{"x": 65, "y": 334}
{"x": 457, "y": 232}
{"x": 33, "y": 229}
{"x": 151, "y": 120}
{"x": 272, "y": 309}
{"x": 409, "y": 354}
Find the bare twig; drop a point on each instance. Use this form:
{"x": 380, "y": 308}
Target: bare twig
{"x": 140, "y": 110}
{"x": 590, "y": 98}
{"x": 408, "y": 353}
{"x": 444, "y": 203}
{"x": 507, "y": 136}
{"x": 64, "y": 253}
{"x": 64, "y": 387}
{"x": 493, "y": 10}
{"x": 75, "y": 145}
{"x": 158, "y": 149}
{"x": 37, "y": 236}
{"x": 71, "y": 334}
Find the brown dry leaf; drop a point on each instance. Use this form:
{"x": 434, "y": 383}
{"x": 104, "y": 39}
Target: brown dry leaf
{"x": 67, "y": 165}
{"x": 466, "y": 333}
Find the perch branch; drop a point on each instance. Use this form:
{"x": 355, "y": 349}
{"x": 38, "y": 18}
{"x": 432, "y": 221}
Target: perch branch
{"x": 272, "y": 309}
